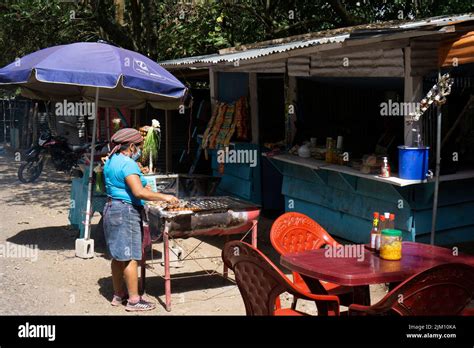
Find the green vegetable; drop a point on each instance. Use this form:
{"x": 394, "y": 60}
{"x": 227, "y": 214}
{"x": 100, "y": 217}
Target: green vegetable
{"x": 151, "y": 146}
{"x": 99, "y": 180}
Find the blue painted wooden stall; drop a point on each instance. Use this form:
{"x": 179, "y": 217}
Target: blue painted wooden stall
{"x": 239, "y": 179}
{"x": 343, "y": 204}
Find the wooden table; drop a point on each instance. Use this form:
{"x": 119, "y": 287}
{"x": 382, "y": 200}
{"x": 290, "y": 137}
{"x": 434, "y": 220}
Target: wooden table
{"x": 416, "y": 257}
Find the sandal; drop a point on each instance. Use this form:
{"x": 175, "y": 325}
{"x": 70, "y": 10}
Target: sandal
{"x": 139, "y": 306}
{"x": 118, "y": 301}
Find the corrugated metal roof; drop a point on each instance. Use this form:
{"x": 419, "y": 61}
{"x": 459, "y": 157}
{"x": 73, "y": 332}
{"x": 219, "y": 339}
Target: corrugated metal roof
{"x": 342, "y": 35}
{"x": 441, "y": 20}
{"x": 254, "y": 53}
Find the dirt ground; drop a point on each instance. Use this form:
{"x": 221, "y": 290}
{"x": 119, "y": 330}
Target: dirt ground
{"x": 56, "y": 282}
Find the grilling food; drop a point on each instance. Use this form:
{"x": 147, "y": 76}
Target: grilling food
{"x": 180, "y": 206}
{"x": 190, "y": 205}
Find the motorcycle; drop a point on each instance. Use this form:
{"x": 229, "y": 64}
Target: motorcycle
{"x": 65, "y": 157}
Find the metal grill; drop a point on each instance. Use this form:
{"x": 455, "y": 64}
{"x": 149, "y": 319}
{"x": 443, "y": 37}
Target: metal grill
{"x": 200, "y": 205}
{"x": 206, "y": 204}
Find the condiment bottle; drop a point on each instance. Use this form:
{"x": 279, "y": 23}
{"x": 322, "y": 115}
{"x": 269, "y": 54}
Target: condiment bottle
{"x": 381, "y": 227}
{"x": 374, "y": 233}
{"x": 385, "y": 170}
{"x": 391, "y": 224}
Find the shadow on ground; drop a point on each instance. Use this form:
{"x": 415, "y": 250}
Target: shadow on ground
{"x": 51, "y": 189}
{"x": 57, "y": 238}
{"x": 263, "y": 240}
{"x": 181, "y": 283}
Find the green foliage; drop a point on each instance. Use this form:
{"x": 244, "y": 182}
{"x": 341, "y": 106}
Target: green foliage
{"x": 29, "y": 25}
{"x": 151, "y": 146}
{"x": 168, "y": 29}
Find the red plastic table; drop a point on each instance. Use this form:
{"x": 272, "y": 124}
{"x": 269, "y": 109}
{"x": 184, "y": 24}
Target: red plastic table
{"x": 372, "y": 269}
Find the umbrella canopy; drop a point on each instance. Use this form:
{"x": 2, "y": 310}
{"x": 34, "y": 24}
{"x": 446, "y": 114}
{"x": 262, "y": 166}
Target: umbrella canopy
{"x": 74, "y": 71}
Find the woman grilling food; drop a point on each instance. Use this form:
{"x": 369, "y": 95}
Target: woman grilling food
{"x": 126, "y": 189}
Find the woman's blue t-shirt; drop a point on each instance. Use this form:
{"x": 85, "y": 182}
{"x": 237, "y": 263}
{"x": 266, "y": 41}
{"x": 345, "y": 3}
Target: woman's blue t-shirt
{"x": 116, "y": 169}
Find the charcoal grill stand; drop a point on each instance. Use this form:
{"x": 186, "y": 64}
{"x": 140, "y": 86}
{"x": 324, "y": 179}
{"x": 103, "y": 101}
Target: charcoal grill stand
{"x": 251, "y": 226}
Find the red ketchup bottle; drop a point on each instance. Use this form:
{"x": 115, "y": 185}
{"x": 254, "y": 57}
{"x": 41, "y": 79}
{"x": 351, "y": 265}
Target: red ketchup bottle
{"x": 374, "y": 233}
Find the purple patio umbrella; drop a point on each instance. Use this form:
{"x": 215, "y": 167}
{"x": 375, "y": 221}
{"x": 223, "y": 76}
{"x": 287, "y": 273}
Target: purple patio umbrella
{"x": 86, "y": 71}
{"x": 75, "y": 71}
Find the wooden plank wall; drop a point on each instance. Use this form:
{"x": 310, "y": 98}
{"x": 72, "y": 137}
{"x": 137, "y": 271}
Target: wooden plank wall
{"x": 373, "y": 63}
{"x": 344, "y": 208}
{"x": 388, "y": 62}
{"x": 424, "y": 56}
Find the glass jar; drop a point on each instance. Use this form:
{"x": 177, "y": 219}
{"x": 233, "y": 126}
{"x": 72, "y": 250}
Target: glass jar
{"x": 391, "y": 244}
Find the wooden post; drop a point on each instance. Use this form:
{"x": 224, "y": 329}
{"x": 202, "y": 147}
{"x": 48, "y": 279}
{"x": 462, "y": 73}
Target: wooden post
{"x": 254, "y": 107}
{"x": 168, "y": 141}
{"x": 213, "y": 88}
{"x": 413, "y": 93}
{"x": 135, "y": 118}
{"x": 107, "y": 122}
{"x": 34, "y": 138}
{"x": 289, "y": 92}
{"x": 292, "y": 98}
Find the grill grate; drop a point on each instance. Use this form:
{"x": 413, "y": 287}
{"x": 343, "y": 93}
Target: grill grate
{"x": 203, "y": 204}
{"x": 206, "y": 204}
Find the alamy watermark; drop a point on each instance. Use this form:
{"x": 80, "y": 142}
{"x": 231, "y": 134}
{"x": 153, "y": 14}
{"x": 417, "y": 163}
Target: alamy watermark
{"x": 28, "y": 330}
{"x": 345, "y": 251}
{"x": 394, "y": 108}
{"x": 76, "y": 109}
{"x": 11, "y": 250}
{"x": 249, "y": 157}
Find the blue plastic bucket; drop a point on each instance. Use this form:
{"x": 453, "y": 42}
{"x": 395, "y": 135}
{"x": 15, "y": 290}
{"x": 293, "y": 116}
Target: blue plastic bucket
{"x": 413, "y": 162}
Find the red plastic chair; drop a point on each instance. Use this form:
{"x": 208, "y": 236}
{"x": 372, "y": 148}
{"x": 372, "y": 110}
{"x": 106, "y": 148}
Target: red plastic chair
{"x": 295, "y": 233}
{"x": 442, "y": 290}
{"x": 260, "y": 282}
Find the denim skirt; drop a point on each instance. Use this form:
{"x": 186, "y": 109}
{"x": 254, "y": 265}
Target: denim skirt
{"x": 123, "y": 230}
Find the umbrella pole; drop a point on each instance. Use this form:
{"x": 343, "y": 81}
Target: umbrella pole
{"x": 85, "y": 245}
{"x": 437, "y": 171}
{"x": 87, "y": 229}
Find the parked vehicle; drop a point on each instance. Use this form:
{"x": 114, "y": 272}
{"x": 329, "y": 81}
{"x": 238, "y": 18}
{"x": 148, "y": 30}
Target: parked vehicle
{"x": 65, "y": 157}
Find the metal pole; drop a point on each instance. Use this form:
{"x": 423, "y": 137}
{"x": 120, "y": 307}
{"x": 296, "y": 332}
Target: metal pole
{"x": 87, "y": 228}
{"x": 10, "y": 120}
{"x": 437, "y": 171}
{"x": 4, "y": 123}
{"x": 167, "y": 141}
